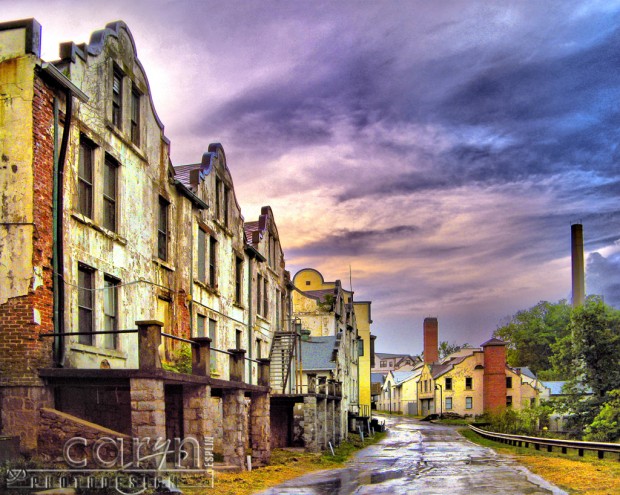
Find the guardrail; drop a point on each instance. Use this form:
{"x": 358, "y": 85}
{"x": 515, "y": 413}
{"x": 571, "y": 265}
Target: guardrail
{"x": 525, "y": 441}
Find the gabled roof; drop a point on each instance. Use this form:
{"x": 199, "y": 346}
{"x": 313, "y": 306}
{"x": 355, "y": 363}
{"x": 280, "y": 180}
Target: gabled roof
{"x": 250, "y": 228}
{"x": 493, "y": 342}
{"x": 181, "y": 172}
{"x": 316, "y": 354}
{"x": 384, "y": 355}
{"x": 527, "y": 372}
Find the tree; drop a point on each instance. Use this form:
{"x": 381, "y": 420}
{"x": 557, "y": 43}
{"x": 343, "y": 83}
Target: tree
{"x": 445, "y": 348}
{"x": 530, "y": 334}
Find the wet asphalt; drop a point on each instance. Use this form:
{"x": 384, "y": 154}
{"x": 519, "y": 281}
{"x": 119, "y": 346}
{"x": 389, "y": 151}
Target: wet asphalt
{"x": 423, "y": 459}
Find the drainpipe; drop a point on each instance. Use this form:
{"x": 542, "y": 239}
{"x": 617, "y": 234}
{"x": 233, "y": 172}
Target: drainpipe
{"x": 250, "y": 340}
{"x": 58, "y": 206}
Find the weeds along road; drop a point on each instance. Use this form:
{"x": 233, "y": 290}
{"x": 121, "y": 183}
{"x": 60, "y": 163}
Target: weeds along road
{"x": 423, "y": 459}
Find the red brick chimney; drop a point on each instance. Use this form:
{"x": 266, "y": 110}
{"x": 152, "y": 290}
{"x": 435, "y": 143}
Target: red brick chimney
{"x": 431, "y": 333}
{"x": 494, "y": 389}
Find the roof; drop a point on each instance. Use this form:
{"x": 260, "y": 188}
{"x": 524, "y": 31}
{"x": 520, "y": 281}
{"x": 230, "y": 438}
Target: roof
{"x": 181, "y": 172}
{"x": 316, "y": 354}
{"x": 524, "y": 370}
{"x": 384, "y": 355}
{"x": 377, "y": 378}
{"x": 555, "y": 388}
{"x": 250, "y": 228}
{"x": 493, "y": 342}
{"x": 319, "y": 294}
{"x": 439, "y": 369}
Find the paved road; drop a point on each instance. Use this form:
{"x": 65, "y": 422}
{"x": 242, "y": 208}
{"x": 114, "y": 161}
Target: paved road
{"x": 422, "y": 459}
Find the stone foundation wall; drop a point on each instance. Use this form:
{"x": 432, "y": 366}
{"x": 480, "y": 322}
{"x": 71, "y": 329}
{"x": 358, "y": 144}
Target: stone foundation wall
{"x": 20, "y": 407}
{"x": 260, "y": 428}
{"x": 57, "y": 427}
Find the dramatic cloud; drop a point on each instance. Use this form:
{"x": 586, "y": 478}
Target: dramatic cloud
{"x": 438, "y": 150}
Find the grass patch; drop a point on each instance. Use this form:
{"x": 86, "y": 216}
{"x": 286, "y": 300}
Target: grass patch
{"x": 586, "y": 475}
{"x": 286, "y": 465}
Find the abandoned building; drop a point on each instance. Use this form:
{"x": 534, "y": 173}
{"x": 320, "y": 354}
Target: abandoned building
{"x": 118, "y": 270}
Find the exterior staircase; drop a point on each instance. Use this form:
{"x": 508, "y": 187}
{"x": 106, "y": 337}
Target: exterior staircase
{"x": 282, "y": 353}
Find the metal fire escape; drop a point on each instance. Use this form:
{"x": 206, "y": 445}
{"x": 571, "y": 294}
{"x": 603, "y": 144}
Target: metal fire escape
{"x": 285, "y": 360}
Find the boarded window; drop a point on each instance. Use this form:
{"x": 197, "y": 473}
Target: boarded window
{"x": 202, "y": 256}
{"x": 212, "y": 262}
{"x": 135, "y": 117}
{"x": 238, "y": 279}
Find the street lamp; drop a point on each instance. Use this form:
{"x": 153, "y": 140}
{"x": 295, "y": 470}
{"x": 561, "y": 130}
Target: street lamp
{"x": 440, "y": 400}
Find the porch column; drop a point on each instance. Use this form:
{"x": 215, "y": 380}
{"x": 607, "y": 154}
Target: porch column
{"x": 338, "y": 421}
{"x": 260, "y": 440}
{"x": 148, "y": 414}
{"x": 149, "y": 340}
{"x": 320, "y": 421}
{"x": 234, "y": 427}
{"x": 310, "y": 424}
{"x": 329, "y": 423}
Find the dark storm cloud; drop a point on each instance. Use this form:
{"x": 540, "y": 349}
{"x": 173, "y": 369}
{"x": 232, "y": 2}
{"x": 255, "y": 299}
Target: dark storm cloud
{"x": 603, "y": 277}
{"x": 346, "y": 242}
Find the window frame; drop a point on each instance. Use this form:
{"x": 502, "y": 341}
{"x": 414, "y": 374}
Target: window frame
{"x": 201, "y": 329}
{"x": 117, "y": 98}
{"x": 86, "y": 304}
{"x": 87, "y": 149}
{"x": 448, "y": 405}
{"x": 469, "y": 402}
{"x": 114, "y": 285}
{"x": 509, "y": 382}
{"x": 110, "y": 201}
{"x": 213, "y": 262}
{"x": 509, "y": 401}
{"x": 201, "y": 255}
{"x": 238, "y": 280}
{"x": 469, "y": 383}
{"x": 163, "y": 228}
{"x": 135, "y": 119}
{"x": 448, "y": 383}
{"x": 259, "y": 296}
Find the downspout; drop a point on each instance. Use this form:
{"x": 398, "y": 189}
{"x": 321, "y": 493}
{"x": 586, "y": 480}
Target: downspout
{"x": 250, "y": 317}
{"x": 56, "y": 285}
{"x": 58, "y": 206}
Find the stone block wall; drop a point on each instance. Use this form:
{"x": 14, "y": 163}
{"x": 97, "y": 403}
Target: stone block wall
{"x": 57, "y": 427}
{"x": 234, "y": 427}
{"x": 148, "y": 416}
{"x": 260, "y": 429}
{"x": 310, "y": 430}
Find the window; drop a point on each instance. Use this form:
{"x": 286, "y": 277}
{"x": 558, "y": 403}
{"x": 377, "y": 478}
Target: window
{"x": 200, "y": 325}
{"x": 448, "y": 403}
{"x": 382, "y": 364}
{"x": 509, "y": 401}
{"x": 238, "y": 337}
{"x": 85, "y": 304}
{"x": 85, "y": 178}
{"x": 448, "y": 383}
{"x": 259, "y": 294}
{"x": 218, "y": 206}
{"x": 162, "y": 229}
{"x": 258, "y": 349}
{"x": 391, "y": 363}
{"x": 238, "y": 279}
{"x": 265, "y": 299}
{"x": 135, "y": 117}
{"x": 202, "y": 256}
{"x": 508, "y": 382}
{"x": 533, "y": 402}
{"x": 468, "y": 383}
{"x": 278, "y": 309}
{"x": 469, "y": 402}
{"x": 225, "y": 206}
{"x": 212, "y": 262}
{"x": 110, "y": 311}
{"x": 117, "y": 98}
{"x": 360, "y": 347}
{"x": 212, "y": 330}
{"x": 110, "y": 170}
{"x": 426, "y": 385}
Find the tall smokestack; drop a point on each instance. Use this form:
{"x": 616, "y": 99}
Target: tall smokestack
{"x": 431, "y": 334}
{"x": 579, "y": 290}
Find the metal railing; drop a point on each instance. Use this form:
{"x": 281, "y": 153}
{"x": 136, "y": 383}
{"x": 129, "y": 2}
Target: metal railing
{"x": 524, "y": 441}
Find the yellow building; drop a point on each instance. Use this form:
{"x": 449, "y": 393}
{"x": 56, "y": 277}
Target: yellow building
{"x": 365, "y": 354}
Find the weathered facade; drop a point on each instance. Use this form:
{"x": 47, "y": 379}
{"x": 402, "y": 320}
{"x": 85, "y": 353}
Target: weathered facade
{"x": 104, "y": 246}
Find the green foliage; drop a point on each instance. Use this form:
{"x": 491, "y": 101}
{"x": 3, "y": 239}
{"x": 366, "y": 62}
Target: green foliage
{"x": 181, "y": 361}
{"x": 530, "y": 334}
{"x": 606, "y": 425}
{"x": 528, "y": 421}
{"x": 327, "y": 303}
{"x": 445, "y": 348}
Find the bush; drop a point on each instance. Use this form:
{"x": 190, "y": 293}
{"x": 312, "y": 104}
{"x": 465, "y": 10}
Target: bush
{"x": 181, "y": 360}
{"x": 527, "y": 421}
{"x": 606, "y": 424}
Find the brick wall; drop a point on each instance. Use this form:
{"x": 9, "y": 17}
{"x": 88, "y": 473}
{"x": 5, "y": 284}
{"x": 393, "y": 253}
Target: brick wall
{"x": 494, "y": 377}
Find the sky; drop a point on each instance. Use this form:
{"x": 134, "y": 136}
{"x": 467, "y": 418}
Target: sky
{"x": 437, "y": 152}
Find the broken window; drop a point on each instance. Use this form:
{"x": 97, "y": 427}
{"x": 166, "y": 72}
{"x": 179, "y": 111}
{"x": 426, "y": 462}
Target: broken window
{"x": 110, "y": 172}
{"x": 117, "y": 98}
{"x": 85, "y": 178}
{"x": 85, "y": 304}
